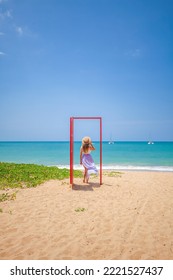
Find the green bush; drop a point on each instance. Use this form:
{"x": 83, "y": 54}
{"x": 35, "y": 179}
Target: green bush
{"x": 14, "y": 175}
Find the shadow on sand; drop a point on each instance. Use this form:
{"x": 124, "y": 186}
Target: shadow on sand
{"x": 86, "y": 187}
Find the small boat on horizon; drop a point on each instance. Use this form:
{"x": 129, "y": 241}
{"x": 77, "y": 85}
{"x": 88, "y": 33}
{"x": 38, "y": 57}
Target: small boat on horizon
{"x": 150, "y": 142}
{"x": 110, "y": 140}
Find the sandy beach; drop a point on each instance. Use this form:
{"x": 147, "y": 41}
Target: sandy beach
{"x": 129, "y": 217}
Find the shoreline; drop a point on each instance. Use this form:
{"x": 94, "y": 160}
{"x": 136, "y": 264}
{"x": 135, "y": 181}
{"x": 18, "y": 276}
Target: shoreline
{"x": 119, "y": 168}
{"x": 128, "y": 217}
{"x": 115, "y": 168}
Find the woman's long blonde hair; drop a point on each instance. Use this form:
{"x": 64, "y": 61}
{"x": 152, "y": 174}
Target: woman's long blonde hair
{"x": 85, "y": 147}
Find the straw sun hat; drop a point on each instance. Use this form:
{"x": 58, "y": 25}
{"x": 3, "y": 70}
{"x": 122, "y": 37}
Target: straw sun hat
{"x": 86, "y": 140}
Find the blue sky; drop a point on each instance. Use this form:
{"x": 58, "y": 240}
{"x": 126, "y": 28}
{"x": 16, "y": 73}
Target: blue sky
{"x": 108, "y": 58}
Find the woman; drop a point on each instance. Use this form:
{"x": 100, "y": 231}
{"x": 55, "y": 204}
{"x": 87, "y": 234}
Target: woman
{"x": 86, "y": 159}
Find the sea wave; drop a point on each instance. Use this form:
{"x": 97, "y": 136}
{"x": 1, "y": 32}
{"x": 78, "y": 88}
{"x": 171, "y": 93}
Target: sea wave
{"x": 125, "y": 167}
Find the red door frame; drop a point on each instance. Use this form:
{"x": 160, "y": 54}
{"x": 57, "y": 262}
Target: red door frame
{"x": 72, "y": 144}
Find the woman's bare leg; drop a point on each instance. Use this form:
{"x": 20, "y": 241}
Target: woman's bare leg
{"x": 85, "y": 175}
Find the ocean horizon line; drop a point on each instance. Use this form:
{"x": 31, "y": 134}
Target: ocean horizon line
{"x": 67, "y": 141}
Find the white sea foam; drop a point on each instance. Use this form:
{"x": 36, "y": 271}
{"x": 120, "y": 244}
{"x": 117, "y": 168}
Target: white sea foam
{"x": 125, "y": 167}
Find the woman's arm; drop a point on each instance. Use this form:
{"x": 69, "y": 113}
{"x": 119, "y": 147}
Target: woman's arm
{"x": 81, "y": 155}
{"x": 92, "y": 147}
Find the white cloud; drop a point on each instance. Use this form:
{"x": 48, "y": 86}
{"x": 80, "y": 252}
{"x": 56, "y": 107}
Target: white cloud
{"x": 19, "y": 30}
{"x": 6, "y": 14}
{"x": 24, "y": 31}
{"x": 135, "y": 53}
{"x": 2, "y": 53}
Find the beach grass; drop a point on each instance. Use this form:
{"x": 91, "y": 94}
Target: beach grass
{"x": 112, "y": 173}
{"x": 79, "y": 209}
{"x": 7, "y": 196}
{"x": 13, "y": 175}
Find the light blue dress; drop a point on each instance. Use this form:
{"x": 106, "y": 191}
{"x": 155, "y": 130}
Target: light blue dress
{"x": 88, "y": 163}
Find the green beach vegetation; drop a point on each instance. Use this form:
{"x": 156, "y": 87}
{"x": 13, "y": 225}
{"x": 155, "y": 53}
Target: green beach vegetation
{"x": 13, "y": 175}
{"x": 113, "y": 174}
{"x": 79, "y": 209}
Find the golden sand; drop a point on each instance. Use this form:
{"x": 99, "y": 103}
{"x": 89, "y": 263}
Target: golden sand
{"x": 129, "y": 217}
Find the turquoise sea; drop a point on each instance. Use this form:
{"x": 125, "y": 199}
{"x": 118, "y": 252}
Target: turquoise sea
{"x": 118, "y": 156}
